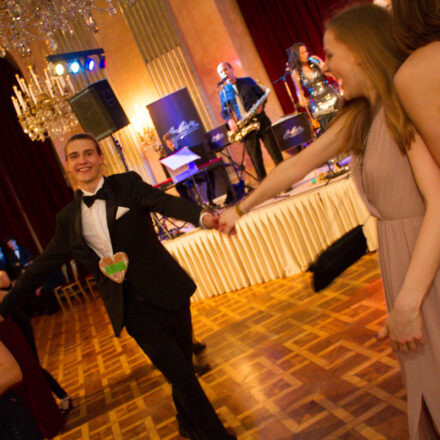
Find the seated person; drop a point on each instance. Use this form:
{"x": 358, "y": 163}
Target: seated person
{"x": 18, "y": 257}
{"x": 183, "y": 188}
{"x": 170, "y": 147}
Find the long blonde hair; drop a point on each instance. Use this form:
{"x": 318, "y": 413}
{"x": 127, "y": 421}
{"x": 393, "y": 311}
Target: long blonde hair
{"x": 367, "y": 30}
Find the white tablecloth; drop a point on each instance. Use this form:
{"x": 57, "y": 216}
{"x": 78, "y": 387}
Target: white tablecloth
{"x": 278, "y": 239}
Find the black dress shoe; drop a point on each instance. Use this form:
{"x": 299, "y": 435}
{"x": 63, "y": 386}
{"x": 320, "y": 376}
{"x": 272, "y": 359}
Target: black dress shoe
{"x": 198, "y": 347}
{"x": 200, "y": 370}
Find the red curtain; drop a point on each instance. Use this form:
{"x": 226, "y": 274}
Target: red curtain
{"x": 31, "y": 178}
{"x": 277, "y": 24}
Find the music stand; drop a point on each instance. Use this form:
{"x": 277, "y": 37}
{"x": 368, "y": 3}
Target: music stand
{"x": 181, "y": 167}
{"x": 219, "y": 143}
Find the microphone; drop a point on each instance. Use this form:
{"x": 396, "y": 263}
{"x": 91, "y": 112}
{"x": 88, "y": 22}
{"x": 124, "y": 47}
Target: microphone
{"x": 222, "y": 81}
{"x": 314, "y": 61}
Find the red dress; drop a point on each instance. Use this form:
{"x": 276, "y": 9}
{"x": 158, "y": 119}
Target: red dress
{"x": 34, "y": 389}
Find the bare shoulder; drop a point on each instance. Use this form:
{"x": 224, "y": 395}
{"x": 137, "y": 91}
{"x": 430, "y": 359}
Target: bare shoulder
{"x": 421, "y": 64}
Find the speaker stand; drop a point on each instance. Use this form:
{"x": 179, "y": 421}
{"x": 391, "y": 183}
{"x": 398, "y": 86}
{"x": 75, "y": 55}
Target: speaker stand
{"x": 120, "y": 152}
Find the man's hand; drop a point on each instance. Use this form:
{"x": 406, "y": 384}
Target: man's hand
{"x": 232, "y": 125}
{"x": 303, "y": 102}
{"x": 210, "y": 220}
{"x": 227, "y": 221}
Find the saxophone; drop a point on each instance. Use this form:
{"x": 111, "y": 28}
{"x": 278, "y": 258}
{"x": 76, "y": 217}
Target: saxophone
{"x": 247, "y": 123}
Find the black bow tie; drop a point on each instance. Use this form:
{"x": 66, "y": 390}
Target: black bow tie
{"x": 89, "y": 200}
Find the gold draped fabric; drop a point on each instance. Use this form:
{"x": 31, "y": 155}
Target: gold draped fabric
{"x": 278, "y": 239}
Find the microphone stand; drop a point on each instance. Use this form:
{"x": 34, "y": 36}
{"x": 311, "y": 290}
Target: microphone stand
{"x": 284, "y": 79}
{"x": 239, "y": 168}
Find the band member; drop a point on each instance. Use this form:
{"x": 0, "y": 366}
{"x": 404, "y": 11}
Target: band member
{"x": 143, "y": 287}
{"x": 183, "y": 188}
{"x": 308, "y": 76}
{"x": 237, "y": 96}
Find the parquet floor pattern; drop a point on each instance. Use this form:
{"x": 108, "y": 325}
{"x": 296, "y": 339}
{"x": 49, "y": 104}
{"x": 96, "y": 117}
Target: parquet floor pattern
{"x": 288, "y": 363}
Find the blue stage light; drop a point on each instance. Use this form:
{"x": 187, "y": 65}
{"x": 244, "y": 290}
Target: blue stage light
{"x": 74, "y": 66}
{"x": 102, "y": 62}
{"x": 89, "y": 64}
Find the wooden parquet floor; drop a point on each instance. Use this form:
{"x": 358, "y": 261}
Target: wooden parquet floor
{"x": 288, "y": 363}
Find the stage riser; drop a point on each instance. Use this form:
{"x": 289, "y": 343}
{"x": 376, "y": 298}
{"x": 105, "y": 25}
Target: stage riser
{"x": 274, "y": 241}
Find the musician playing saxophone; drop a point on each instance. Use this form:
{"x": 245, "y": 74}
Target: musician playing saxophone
{"x": 237, "y": 97}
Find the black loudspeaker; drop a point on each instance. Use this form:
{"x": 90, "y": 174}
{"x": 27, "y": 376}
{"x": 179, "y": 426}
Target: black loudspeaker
{"x": 98, "y": 110}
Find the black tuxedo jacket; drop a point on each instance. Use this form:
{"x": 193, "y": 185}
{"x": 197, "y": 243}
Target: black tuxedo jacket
{"x": 17, "y": 264}
{"x": 249, "y": 91}
{"x": 152, "y": 272}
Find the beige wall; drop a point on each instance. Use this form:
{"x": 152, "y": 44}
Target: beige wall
{"x": 212, "y": 31}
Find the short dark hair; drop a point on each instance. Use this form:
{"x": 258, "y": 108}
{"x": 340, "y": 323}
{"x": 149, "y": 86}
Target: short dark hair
{"x": 167, "y": 136}
{"x": 81, "y": 136}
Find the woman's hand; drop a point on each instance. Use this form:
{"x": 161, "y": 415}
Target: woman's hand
{"x": 227, "y": 220}
{"x": 303, "y": 102}
{"x": 404, "y": 327}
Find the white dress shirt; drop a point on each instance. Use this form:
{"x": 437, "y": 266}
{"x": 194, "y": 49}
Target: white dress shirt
{"x": 95, "y": 228}
{"x": 94, "y": 225}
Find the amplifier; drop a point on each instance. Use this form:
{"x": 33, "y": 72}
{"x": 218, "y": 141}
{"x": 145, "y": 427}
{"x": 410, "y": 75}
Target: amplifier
{"x": 218, "y": 137}
{"x": 292, "y": 131}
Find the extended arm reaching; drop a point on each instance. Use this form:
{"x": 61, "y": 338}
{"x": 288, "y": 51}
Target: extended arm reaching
{"x": 289, "y": 172}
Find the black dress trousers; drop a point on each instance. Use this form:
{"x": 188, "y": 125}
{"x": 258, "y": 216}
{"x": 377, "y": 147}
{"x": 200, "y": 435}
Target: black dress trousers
{"x": 166, "y": 338}
{"x": 253, "y": 147}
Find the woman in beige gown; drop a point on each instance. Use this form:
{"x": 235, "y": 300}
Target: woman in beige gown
{"x": 400, "y": 183}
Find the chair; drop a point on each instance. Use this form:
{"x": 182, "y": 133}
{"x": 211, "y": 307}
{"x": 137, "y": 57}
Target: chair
{"x": 72, "y": 290}
{"x": 91, "y": 284}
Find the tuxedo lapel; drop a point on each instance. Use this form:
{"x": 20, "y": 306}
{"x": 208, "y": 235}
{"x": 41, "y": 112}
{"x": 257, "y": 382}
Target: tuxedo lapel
{"x": 77, "y": 225}
{"x": 111, "y": 208}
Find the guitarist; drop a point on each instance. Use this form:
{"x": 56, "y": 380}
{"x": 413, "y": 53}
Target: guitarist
{"x": 237, "y": 97}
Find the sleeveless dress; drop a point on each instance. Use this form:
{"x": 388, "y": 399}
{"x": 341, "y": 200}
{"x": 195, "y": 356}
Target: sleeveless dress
{"x": 388, "y": 187}
{"x": 324, "y": 101}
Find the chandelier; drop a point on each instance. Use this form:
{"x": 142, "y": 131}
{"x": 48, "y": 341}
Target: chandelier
{"x": 42, "y": 107}
{"x": 22, "y": 21}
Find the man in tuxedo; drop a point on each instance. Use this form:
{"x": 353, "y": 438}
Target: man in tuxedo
{"x": 237, "y": 96}
{"x": 111, "y": 215}
{"x": 18, "y": 257}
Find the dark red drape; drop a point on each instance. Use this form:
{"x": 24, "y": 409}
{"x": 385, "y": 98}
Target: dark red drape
{"x": 277, "y": 24}
{"x": 31, "y": 179}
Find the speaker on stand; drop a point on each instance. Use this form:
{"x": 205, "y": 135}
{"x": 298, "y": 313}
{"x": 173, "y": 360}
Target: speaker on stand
{"x": 100, "y": 113}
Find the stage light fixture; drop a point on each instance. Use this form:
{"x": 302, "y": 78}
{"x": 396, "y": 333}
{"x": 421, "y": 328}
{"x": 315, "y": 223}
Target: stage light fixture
{"x": 59, "y": 69}
{"x": 102, "y": 62}
{"x": 74, "y": 66}
{"x": 89, "y": 63}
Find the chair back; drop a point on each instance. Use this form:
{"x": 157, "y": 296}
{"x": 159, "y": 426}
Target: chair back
{"x": 65, "y": 272}
{"x": 74, "y": 268}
